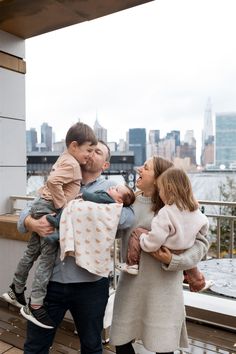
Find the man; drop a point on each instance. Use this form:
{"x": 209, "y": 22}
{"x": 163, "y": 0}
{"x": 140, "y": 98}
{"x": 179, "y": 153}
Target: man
{"x": 73, "y": 288}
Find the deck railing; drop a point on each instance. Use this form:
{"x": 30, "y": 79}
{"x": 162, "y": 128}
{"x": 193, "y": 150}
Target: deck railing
{"x": 219, "y": 219}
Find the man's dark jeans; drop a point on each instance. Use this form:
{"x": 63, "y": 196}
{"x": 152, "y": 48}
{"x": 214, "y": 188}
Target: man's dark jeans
{"x": 86, "y": 303}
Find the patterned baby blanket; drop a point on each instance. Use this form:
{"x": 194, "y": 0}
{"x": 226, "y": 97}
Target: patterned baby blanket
{"x": 87, "y": 232}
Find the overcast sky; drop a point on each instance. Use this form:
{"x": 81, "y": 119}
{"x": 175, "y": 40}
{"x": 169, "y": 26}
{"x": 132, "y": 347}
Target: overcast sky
{"x": 153, "y": 66}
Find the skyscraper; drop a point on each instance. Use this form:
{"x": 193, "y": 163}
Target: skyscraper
{"x": 99, "y": 131}
{"x": 225, "y": 141}
{"x": 174, "y": 134}
{"x": 137, "y": 144}
{"x": 207, "y": 124}
{"x": 31, "y": 140}
{"x": 46, "y": 137}
{"x": 207, "y": 154}
{"x": 154, "y": 136}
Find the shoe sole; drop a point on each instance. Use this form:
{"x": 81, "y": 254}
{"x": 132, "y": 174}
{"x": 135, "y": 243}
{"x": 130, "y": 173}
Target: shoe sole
{"x": 8, "y": 299}
{"x": 33, "y": 319}
{"x": 132, "y": 271}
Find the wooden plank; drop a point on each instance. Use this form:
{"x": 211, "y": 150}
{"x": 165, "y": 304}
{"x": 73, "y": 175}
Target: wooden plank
{"x": 212, "y": 336}
{"x": 8, "y": 228}
{"x": 14, "y": 351}
{"x": 203, "y": 339}
{"x": 10, "y": 62}
{"x": 4, "y": 347}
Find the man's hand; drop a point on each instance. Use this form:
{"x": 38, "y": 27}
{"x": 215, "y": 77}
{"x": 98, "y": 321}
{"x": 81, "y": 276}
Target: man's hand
{"x": 163, "y": 255}
{"x": 41, "y": 226}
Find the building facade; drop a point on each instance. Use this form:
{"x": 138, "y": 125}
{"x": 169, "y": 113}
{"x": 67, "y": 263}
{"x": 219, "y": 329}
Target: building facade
{"x": 31, "y": 140}
{"x": 46, "y": 137}
{"x": 225, "y": 140}
{"x": 137, "y": 144}
{"x": 99, "y": 131}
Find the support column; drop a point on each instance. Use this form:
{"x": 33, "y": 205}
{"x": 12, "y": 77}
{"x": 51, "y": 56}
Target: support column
{"x": 12, "y": 119}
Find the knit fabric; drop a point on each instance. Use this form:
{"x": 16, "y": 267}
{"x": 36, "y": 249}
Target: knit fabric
{"x": 150, "y": 305}
{"x": 87, "y": 232}
{"x": 174, "y": 228}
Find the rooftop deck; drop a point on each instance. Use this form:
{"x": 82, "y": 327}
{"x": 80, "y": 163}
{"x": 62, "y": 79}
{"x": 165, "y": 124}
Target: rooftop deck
{"x": 211, "y": 316}
{"x": 203, "y": 339}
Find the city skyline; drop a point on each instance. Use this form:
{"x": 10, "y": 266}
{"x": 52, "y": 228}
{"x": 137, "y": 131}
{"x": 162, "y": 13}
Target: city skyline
{"x": 155, "y": 71}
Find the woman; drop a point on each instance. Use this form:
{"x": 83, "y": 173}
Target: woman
{"x": 150, "y": 306}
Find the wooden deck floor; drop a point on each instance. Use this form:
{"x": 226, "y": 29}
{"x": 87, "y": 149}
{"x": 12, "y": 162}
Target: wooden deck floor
{"x": 203, "y": 339}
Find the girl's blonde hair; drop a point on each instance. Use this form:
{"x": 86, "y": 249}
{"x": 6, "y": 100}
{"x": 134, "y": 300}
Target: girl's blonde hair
{"x": 160, "y": 165}
{"x": 178, "y": 189}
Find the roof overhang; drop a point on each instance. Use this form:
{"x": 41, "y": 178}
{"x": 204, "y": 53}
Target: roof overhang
{"x": 29, "y": 18}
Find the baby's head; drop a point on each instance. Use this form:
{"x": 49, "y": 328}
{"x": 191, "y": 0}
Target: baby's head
{"x": 122, "y": 194}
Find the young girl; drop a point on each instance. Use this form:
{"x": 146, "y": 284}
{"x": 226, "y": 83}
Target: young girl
{"x": 175, "y": 226}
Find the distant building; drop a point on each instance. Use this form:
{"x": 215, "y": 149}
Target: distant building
{"x": 100, "y": 132}
{"x": 208, "y": 123}
{"x": 46, "y": 136}
{"x": 184, "y": 163}
{"x": 225, "y": 139}
{"x": 153, "y": 141}
{"x": 122, "y": 146}
{"x": 186, "y": 150}
{"x": 137, "y": 144}
{"x": 207, "y": 154}
{"x": 189, "y": 137}
{"x": 166, "y": 148}
{"x": 154, "y": 136}
{"x": 174, "y": 134}
{"x": 112, "y": 146}
{"x": 31, "y": 140}
{"x": 59, "y": 146}
{"x": 151, "y": 149}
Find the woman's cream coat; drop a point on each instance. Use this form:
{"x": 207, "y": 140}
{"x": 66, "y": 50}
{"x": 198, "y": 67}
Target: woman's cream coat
{"x": 150, "y": 305}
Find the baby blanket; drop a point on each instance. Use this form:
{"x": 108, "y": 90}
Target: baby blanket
{"x": 87, "y": 232}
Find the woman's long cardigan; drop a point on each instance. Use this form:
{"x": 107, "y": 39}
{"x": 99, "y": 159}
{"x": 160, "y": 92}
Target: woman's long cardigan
{"x": 150, "y": 306}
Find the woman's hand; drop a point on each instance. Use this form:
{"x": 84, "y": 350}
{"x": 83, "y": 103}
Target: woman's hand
{"x": 163, "y": 255}
{"x": 41, "y": 226}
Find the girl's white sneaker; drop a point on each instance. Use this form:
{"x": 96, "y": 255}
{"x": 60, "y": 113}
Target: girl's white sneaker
{"x": 207, "y": 286}
{"x": 124, "y": 267}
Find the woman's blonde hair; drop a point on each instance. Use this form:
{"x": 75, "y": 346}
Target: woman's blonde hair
{"x": 177, "y": 189}
{"x": 160, "y": 165}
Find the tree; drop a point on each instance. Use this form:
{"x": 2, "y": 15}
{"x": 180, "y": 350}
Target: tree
{"x": 228, "y": 194}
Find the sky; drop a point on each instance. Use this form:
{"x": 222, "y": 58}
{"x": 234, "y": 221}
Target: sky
{"x": 153, "y": 66}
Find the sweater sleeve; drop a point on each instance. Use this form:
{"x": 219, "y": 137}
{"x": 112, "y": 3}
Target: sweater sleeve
{"x": 189, "y": 258}
{"x": 161, "y": 228}
{"x": 63, "y": 174}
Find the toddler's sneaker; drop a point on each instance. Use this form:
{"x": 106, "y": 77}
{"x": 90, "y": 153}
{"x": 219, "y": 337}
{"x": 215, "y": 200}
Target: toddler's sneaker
{"x": 132, "y": 269}
{"x": 14, "y": 298}
{"x": 38, "y": 316}
{"x": 208, "y": 284}
{"x": 124, "y": 267}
